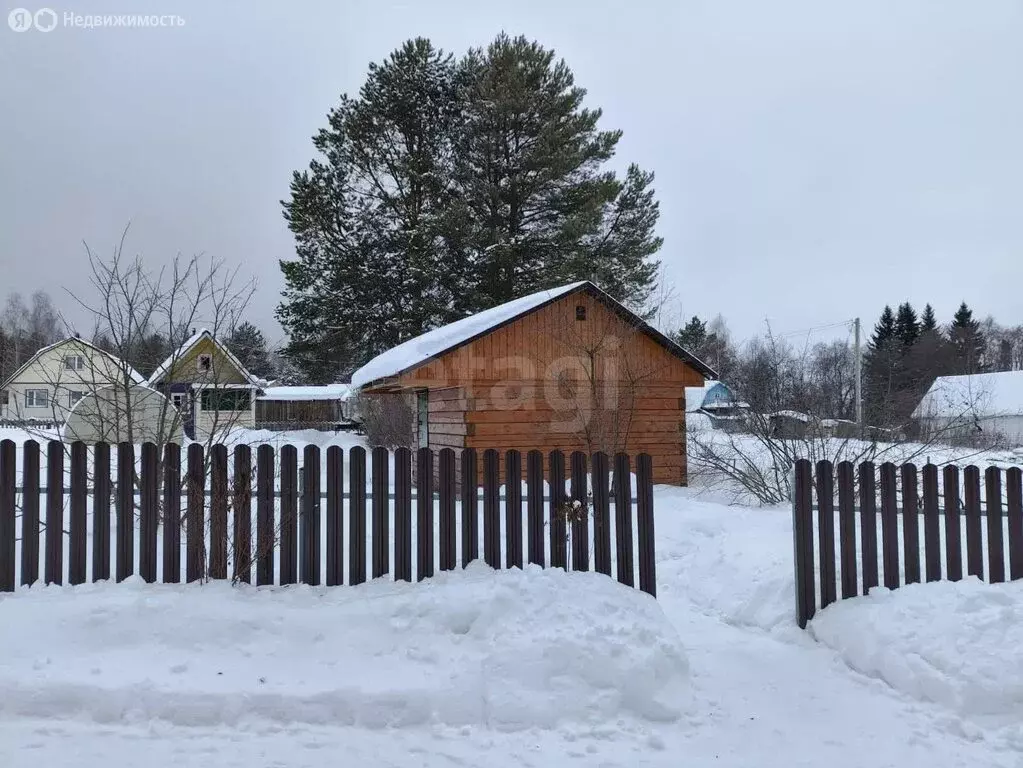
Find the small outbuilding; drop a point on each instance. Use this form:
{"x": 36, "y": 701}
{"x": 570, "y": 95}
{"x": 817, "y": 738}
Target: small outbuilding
{"x": 305, "y": 407}
{"x": 568, "y": 368}
{"x": 980, "y": 406}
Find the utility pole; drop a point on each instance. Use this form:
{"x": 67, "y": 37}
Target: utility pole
{"x": 858, "y": 359}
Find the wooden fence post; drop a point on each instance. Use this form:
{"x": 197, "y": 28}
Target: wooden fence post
{"x": 491, "y": 508}
{"x": 424, "y": 514}
{"x": 357, "y": 515}
{"x": 974, "y": 531}
{"x": 847, "y": 527}
{"x": 8, "y": 481}
{"x": 30, "y": 513}
{"x": 195, "y": 515}
{"x": 623, "y": 518}
{"x": 513, "y": 508}
{"x": 242, "y": 503}
{"x": 910, "y": 524}
{"x": 446, "y": 510}
{"x": 826, "y": 530}
{"x": 171, "y": 513}
{"x": 932, "y": 525}
{"x": 289, "y": 515}
{"x": 335, "y": 516}
{"x": 868, "y": 525}
{"x": 645, "y": 524}
{"x": 54, "y": 569}
{"x": 534, "y": 507}
{"x": 559, "y": 533}
{"x": 995, "y": 545}
{"x": 890, "y": 524}
{"x": 580, "y": 514}
{"x": 802, "y": 542}
{"x": 149, "y": 498}
{"x": 310, "y": 529}
{"x": 266, "y": 538}
{"x": 601, "y": 514}
{"x": 953, "y": 535}
{"x": 218, "y": 512}
{"x": 470, "y": 507}
{"x": 381, "y": 511}
{"x": 403, "y": 514}
{"x": 1014, "y": 494}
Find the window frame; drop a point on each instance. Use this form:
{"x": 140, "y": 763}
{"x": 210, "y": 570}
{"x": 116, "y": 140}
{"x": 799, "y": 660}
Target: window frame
{"x": 235, "y": 395}
{"x": 82, "y": 394}
{"x": 30, "y": 398}
{"x": 204, "y": 356}
{"x": 79, "y": 360}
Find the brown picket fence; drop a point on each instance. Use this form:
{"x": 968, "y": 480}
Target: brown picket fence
{"x": 206, "y": 503}
{"x": 948, "y": 506}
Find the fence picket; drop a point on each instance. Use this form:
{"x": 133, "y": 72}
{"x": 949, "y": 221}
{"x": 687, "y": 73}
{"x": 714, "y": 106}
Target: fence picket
{"x": 953, "y": 535}
{"x": 932, "y": 525}
{"x": 995, "y": 545}
{"x": 559, "y": 534}
{"x": 623, "y": 518}
{"x": 380, "y": 511}
{"x": 826, "y": 531}
{"x": 802, "y": 542}
{"x": 868, "y": 525}
{"x": 403, "y": 514}
{"x": 125, "y": 508}
{"x": 1014, "y": 499}
{"x": 357, "y": 515}
{"x": 266, "y": 538}
{"x": 424, "y": 514}
{"x": 54, "y": 566}
{"x": 30, "y": 513}
{"x": 601, "y": 514}
{"x": 171, "y": 514}
{"x": 974, "y": 534}
{"x": 149, "y": 513}
{"x": 8, "y": 502}
{"x": 218, "y": 512}
{"x": 580, "y": 514}
{"x": 491, "y": 508}
{"x": 513, "y": 509}
{"x": 242, "y": 503}
{"x": 446, "y": 510}
{"x": 847, "y": 527}
{"x": 289, "y": 515}
{"x": 195, "y": 515}
{"x": 534, "y": 507}
{"x": 310, "y": 520}
{"x": 645, "y": 524}
{"x": 910, "y": 523}
{"x": 470, "y": 507}
{"x": 335, "y": 516}
{"x": 889, "y": 525}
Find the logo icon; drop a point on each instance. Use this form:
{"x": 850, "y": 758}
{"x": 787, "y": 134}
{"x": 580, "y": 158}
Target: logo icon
{"x": 20, "y": 20}
{"x": 45, "y": 20}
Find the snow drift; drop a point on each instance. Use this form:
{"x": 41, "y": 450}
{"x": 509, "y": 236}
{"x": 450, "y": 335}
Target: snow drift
{"x": 956, "y": 644}
{"x": 509, "y": 650}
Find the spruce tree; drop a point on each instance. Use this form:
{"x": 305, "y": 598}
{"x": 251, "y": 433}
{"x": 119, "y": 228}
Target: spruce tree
{"x": 693, "y": 335}
{"x": 907, "y": 327}
{"x": 967, "y": 342}
{"x": 249, "y": 346}
{"x": 928, "y": 322}
{"x": 880, "y": 370}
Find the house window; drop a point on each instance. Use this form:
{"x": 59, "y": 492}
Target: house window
{"x": 37, "y": 398}
{"x": 73, "y": 396}
{"x": 204, "y": 363}
{"x": 74, "y": 362}
{"x": 226, "y": 400}
{"x": 178, "y": 399}
{"x": 580, "y": 312}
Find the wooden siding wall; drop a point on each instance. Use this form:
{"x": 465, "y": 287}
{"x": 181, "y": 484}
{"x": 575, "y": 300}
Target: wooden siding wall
{"x": 503, "y": 389}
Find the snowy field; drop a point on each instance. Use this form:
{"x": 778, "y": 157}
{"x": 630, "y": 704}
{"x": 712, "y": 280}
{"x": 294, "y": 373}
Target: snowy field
{"x": 534, "y": 668}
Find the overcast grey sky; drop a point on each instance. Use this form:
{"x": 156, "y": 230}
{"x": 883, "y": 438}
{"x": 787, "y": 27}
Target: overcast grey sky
{"x": 814, "y": 160}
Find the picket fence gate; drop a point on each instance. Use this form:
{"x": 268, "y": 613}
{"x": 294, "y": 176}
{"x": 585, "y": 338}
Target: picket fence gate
{"x": 289, "y": 515}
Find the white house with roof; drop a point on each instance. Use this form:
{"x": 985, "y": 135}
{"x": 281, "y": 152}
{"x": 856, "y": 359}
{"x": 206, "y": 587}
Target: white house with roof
{"x": 974, "y": 405}
{"x": 53, "y": 381}
{"x": 208, "y": 385}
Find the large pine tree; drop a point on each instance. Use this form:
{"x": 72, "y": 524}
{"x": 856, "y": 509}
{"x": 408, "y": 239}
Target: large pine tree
{"x": 966, "y": 342}
{"x": 880, "y": 370}
{"x": 447, "y": 187}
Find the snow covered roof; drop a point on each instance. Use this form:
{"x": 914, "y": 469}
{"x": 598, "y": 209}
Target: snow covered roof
{"x": 326, "y": 392}
{"x": 164, "y": 368}
{"x": 135, "y": 376}
{"x": 791, "y": 415}
{"x": 983, "y": 395}
{"x": 695, "y": 395}
{"x": 432, "y": 344}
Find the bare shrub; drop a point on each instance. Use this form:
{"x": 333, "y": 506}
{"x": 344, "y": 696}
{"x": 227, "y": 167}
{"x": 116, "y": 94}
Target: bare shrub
{"x": 388, "y": 420}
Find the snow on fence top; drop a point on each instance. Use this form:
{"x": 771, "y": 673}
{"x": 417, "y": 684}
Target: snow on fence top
{"x": 422, "y": 348}
{"x": 979, "y": 394}
{"x": 326, "y": 392}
